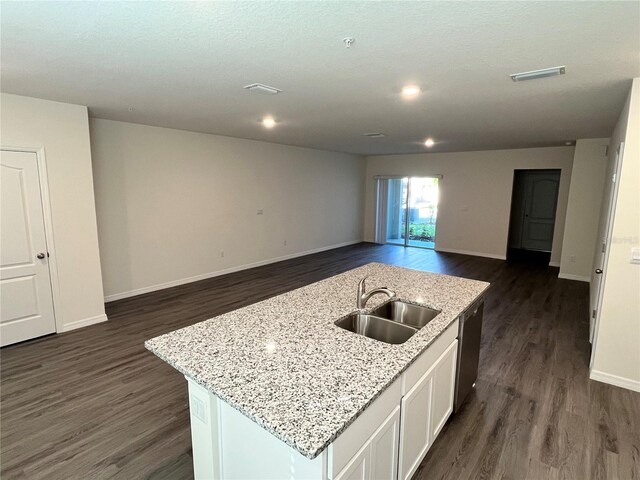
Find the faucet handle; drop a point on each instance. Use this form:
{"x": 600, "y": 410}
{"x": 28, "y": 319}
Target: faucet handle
{"x": 360, "y": 293}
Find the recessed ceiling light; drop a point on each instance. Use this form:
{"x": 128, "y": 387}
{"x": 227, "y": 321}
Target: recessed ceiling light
{"x": 410, "y": 90}
{"x": 429, "y": 142}
{"x": 268, "y": 122}
{"x": 568, "y": 143}
{"x": 533, "y": 74}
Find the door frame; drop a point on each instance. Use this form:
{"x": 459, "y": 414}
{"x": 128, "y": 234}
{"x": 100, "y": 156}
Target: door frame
{"x": 43, "y": 181}
{"x": 555, "y": 213}
{"x": 608, "y": 230}
{"x": 377, "y": 179}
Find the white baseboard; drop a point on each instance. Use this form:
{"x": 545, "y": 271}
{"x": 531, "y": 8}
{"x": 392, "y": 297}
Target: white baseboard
{"x": 570, "y": 276}
{"x": 469, "y": 252}
{"x": 554, "y": 264}
{"x": 615, "y": 380}
{"x": 204, "y": 276}
{"x": 85, "y": 322}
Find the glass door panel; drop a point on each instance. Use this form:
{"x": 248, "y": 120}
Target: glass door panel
{"x": 422, "y": 211}
{"x": 407, "y": 209}
{"x": 397, "y": 210}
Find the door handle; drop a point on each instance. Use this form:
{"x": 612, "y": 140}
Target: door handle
{"x": 598, "y": 271}
{"x": 40, "y": 256}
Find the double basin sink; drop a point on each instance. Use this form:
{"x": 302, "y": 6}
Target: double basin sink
{"x": 392, "y": 322}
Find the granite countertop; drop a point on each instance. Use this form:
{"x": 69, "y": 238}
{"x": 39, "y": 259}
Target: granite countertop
{"x": 284, "y": 364}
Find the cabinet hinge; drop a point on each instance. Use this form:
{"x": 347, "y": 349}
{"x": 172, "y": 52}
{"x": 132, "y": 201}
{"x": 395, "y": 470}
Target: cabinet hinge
{"x": 593, "y": 314}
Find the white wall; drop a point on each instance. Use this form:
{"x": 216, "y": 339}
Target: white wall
{"x": 63, "y": 131}
{"x": 616, "y": 355}
{"x": 169, "y": 201}
{"x": 583, "y": 208}
{"x": 475, "y": 194}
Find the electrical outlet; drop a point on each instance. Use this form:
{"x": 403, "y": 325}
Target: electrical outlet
{"x": 198, "y": 409}
{"x": 572, "y": 259}
{"x": 260, "y": 211}
{"x": 285, "y": 243}
{"x": 221, "y": 253}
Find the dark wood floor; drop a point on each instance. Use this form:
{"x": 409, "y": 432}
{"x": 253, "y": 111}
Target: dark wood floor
{"x": 93, "y": 403}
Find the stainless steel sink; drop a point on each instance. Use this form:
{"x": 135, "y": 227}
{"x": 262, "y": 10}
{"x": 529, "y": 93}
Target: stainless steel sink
{"x": 405, "y": 313}
{"x": 376, "y": 327}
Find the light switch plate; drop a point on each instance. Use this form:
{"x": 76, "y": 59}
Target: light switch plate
{"x": 635, "y": 255}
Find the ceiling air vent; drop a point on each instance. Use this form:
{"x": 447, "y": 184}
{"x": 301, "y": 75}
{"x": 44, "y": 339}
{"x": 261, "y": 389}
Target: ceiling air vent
{"x": 374, "y": 135}
{"x": 262, "y": 89}
{"x": 533, "y": 74}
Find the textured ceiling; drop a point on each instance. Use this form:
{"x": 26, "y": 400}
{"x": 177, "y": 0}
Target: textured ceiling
{"x": 183, "y": 65}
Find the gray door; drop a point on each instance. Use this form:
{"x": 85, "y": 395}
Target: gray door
{"x": 541, "y": 200}
{"x": 533, "y": 209}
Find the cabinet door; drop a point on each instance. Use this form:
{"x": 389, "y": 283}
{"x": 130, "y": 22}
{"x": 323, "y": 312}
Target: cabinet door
{"x": 414, "y": 426}
{"x": 358, "y": 466}
{"x": 384, "y": 448}
{"x": 444, "y": 376}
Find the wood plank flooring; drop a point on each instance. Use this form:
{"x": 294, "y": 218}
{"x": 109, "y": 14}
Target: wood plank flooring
{"x": 94, "y": 404}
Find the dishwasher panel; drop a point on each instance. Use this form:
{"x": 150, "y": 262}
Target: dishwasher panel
{"x": 468, "y": 352}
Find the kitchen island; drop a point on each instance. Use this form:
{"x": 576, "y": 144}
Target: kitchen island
{"x": 278, "y": 390}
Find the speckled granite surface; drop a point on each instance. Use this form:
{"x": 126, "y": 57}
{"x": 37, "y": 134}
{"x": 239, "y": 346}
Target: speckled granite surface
{"x": 285, "y": 365}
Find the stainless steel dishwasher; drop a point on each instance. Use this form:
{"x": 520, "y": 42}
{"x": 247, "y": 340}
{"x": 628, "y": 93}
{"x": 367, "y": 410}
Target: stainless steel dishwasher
{"x": 468, "y": 352}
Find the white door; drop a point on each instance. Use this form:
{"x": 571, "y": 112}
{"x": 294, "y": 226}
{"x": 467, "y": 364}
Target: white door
{"x": 604, "y": 237}
{"x": 26, "y": 304}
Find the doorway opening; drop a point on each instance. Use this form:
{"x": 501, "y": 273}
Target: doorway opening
{"x": 407, "y": 211}
{"x": 533, "y": 215}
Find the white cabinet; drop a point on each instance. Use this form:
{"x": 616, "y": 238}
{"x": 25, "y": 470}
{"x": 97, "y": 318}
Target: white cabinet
{"x": 415, "y": 431}
{"x": 387, "y": 441}
{"x": 384, "y": 448}
{"x": 358, "y": 467}
{"x": 378, "y": 458}
{"x": 425, "y": 409}
{"x": 444, "y": 376}
{"x": 397, "y": 447}
{"x": 223, "y": 439}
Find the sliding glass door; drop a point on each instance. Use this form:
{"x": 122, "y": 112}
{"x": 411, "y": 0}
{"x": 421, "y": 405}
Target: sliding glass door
{"x": 407, "y": 211}
{"x": 422, "y": 208}
{"x": 397, "y": 210}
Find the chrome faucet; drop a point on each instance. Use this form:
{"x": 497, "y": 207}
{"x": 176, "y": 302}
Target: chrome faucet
{"x": 363, "y": 297}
